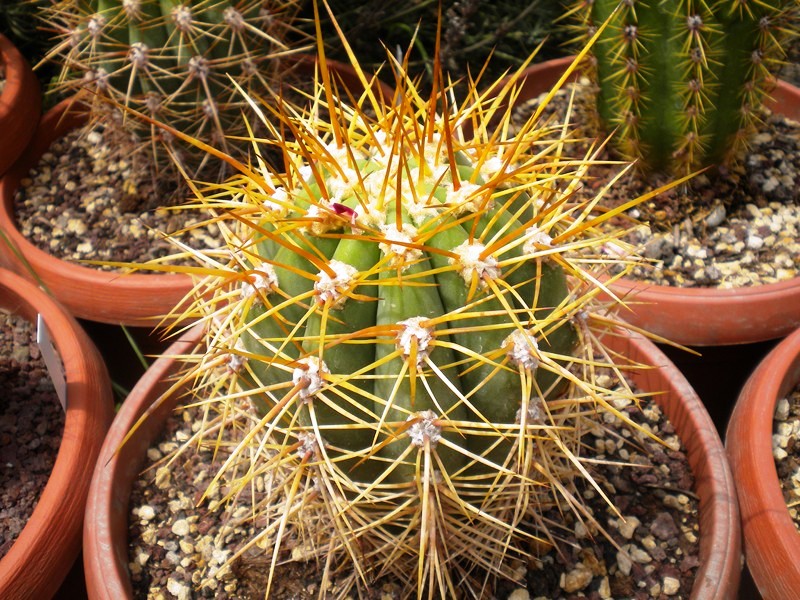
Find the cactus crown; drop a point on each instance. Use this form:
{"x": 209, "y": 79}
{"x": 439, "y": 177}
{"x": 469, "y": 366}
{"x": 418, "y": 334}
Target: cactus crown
{"x": 173, "y": 60}
{"x": 412, "y": 312}
{"x": 682, "y": 82}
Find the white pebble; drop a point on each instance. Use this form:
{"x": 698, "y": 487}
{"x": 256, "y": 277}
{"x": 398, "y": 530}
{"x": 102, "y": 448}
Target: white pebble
{"x": 147, "y": 512}
{"x": 179, "y": 589}
{"x": 671, "y": 586}
{"x": 180, "y": 527}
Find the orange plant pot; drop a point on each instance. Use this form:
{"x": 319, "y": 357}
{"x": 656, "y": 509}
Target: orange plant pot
{"x": 699, "y": 316}
{"x": 771, "y": 540}
{"x": 105, "y": 542}
{"x": 20, "y": 104}
{"x": 47, "y": 547}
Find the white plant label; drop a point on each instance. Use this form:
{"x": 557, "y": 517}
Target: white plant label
{"x": 51, "y": 360}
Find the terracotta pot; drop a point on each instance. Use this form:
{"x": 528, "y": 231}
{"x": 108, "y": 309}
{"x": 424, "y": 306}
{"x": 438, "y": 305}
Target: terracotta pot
{"x": 129, "y": 299}
{"x": 106, "y": 530}
{"x": 47, "y": 547}
{"x": 135, "y": 299}
{"x": 771, "y": 540}
{"x": 700, "y": 316}
{"x": 20, "y": 104}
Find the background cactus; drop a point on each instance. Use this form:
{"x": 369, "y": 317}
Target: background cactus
{"x": 411, "y": 313}
{"x": 173, "y": 60}
{"x": 472, "y": 30}
{"x": 681, "y": 82}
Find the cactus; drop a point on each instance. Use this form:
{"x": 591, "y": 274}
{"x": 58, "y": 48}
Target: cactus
{"x": 682, "y": 81}
{"x": 412, "y": 315}
{"x": 173, "y": 60}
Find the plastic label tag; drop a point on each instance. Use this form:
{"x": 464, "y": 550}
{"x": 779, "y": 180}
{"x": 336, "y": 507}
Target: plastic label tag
{"x": 51, "y": 361}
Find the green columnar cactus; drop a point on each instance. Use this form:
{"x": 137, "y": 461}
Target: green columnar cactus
{"x": 173, "y": 60}
{"x": 413, "y": 315}
{"x": 682, "y": 81}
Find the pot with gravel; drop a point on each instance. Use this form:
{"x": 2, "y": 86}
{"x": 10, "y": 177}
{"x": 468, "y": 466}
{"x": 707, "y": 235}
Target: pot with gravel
{"x": 35, "y": 562}
{"x": 743, "y": 305}
{"x": 20, "y": 103}
{"x": 405, "y": 321}
{"x": 763, "y": 446}
{"x": 174, "y": 61}
{"x": 682, "y": 86}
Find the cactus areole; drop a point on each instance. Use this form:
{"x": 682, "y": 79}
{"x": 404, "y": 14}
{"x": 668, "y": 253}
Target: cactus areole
{"x": 411, "y": 314}
{"x": 682, "y": 81}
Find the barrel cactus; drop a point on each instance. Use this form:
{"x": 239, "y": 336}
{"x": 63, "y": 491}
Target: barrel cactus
{"x": 681, "y": 82}
{"x": 410, "y": 309}
{"x": 174, "y": 60}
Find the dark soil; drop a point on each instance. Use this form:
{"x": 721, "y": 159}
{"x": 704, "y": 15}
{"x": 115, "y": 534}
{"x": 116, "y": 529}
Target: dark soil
{"x": 31, "y": 425}
{"x": 179, "y": 548}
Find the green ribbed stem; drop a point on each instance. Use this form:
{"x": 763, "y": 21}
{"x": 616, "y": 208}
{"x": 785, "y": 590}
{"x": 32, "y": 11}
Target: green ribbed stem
{"x": 681, "y": 80}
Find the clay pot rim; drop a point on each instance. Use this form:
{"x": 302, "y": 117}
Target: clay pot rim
{"x": 720, "y": 547}
{"x": 20, "y": 103}
{"x": 769, "y": 530}
{"x": 32, "y": 563}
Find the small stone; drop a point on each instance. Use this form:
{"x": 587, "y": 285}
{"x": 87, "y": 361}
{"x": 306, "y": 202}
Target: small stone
{"x": 604, "y": 590}
{"x": 624, "y": 562}
{"x": 670, "y": 586}
{"x": 179, "y": 589}
{"x": 782, "y": 409}
{"x": 628, "y": 526}
{"x": 640, "y": 556}
{"x": 519, "y": 594}
{"x": 577, "y": 579}
{"x": 147, "y": 512}
{"x": 754, "y": 242}
{"x": 180, "y": 527}
{"x": 716, "y": 216}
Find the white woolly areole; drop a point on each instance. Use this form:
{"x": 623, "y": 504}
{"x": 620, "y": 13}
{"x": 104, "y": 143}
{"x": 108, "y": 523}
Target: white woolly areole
{"x": 311, "y": 375}
{"x": 276, "y": 202}
{"x": 536, "y": 237}
{"x": 308, "y": 444}
{"x": 466, "y": 198}
{"x": 470, "y": 263}
{"x": 522, "y": 349}
{"x": 341, "y": 184}
{"x": 535, "y": 412}
{"x": 424, "y": 429}
{"x": 332, "y": 289}
{"x": 322, "y": 218}
{"x": 492, "y": 166}
{"x": 402, "y": 255}
{"x": 413, "y": 331}
{"x": 264, "y": 278}
{"x": 235, "y": 362}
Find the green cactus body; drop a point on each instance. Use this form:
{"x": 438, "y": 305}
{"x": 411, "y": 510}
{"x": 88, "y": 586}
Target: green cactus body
{"x": 409, "y": 313}
{"x": 681, "y": 81}
{"x": 174, "y": 61}
{"x": 369, "y": 299}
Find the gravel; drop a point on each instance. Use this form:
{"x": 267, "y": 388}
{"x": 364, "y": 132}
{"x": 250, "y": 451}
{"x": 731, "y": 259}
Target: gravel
{"x": 178, "y": 551}
{"x": 786, "y": 450}
{"x": 728, "y": 228}
{"x": 83, "y": 202}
